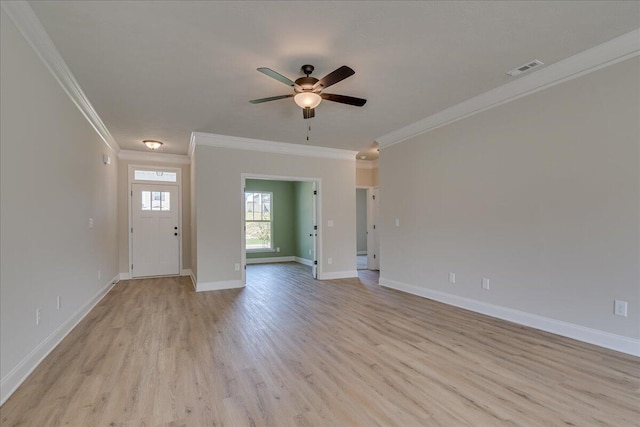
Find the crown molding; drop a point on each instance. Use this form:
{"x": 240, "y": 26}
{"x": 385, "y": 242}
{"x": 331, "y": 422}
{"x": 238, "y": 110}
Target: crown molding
{"x": 32, "y": 30}
{"x": 606, "y": 54}
{"x": 192, "y": 145}
{"x": 154, "y": 157}
{"x": 366, "y": 164}
{"x": 248, "y": 144}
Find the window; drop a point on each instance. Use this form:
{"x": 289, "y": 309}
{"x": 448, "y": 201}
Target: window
{"x": 156, "y": 201}
{"x": 143, "y": 175}
{"x": 258, "y": 220}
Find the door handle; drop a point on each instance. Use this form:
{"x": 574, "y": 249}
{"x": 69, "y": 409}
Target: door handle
{"x": 175, "y": 234}
{"x": 175, "y": 228}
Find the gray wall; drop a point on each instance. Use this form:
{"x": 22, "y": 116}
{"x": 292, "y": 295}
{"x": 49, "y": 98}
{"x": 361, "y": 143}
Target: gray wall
{"x": 52, "y": 181}
{"x": 218, "y": 176}
{"x": 540, "y": 195}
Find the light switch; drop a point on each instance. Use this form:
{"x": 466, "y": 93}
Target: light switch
{"x": 397, "y": 222}
{"x": 90, "y": 222}
{"x": 330, "y": 223}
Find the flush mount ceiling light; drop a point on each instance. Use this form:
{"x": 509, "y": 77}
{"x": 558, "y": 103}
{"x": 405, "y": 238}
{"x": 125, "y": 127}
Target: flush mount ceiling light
{"x": 307, "y": 91}
{"x": 152, "y": 144}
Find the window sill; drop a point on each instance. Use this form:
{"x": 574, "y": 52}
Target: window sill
{"x": 255, "y": 251}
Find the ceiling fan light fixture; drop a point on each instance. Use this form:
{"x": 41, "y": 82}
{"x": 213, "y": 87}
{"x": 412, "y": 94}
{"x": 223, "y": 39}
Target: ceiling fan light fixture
{"x": 307, "y": 99}
{"x": 152, "y": 144}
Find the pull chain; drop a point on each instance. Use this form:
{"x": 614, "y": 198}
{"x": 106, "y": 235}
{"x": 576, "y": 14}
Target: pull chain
{"x": 308, "y": 130}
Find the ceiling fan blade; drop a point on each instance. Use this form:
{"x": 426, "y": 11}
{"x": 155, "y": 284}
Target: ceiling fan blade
{"x": 271, "y": 98}
{"x": 343, "y": 99}
{"x": 334, "y": 77}
{"x": 308, "y": 113}
{"x": 279, "y": 77}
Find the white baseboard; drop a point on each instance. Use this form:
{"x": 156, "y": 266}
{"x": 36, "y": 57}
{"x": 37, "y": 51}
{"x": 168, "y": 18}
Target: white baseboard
{"x": 362, "y": 252}
{"x": 581, "y": 333}
{"x": 17, "y": 375}
{"x": 338, "y": 275}
{"x": 185, "y": 272}
{"x": 218, "y": 286}
{"x": 270, "y": 260}
{"x": 303, "y": 261}
{"x": 125, "y": 276}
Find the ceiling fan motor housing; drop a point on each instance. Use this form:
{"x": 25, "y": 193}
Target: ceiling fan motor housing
{"x": 306, "y": 83}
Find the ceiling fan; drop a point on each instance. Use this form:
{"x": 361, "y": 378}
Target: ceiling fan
{"x": 307, "y": 91}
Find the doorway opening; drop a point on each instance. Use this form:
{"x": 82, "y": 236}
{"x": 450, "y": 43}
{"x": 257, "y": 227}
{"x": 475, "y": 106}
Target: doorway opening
{"x": 362, "y": 195}
{"x": 280, "y": 221}
{"x": 367, "y": 233}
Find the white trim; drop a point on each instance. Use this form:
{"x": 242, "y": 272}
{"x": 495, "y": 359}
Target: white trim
{"x": 154, "y": 157}
{"x": 603, "y": 55}
{"x": 186, "y": 272}
{"x": 238, "y": 143}
{"x": 193, "y": 280}
{"x": 361, "y": 252}
{"x": 192, "y": 145}
{"x": 32, "y": 30}
{"x": 17, "y": 375}
{"x": 581, "y": 333}
{"x": 303, "y": 261}
{"x": 270, "y": 260}
{"x": 331, "y": 275}
{"x": 366, "y": 164}
{"x": 219, "y": 285}
{"x": 125, "y": 276}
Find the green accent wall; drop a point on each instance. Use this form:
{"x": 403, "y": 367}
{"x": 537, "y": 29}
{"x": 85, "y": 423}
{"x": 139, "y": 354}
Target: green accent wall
{"x": 283, "y": 216}
{"x": 303, "y": 195}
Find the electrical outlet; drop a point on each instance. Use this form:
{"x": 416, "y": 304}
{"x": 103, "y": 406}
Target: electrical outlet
{"x": 90, "y": 222}
{"x": 277, "y": 249}
{"x": 58, "y": 303}
{"x": 452, "y": 277}
{"x": 397, "y": 222}
{"x": 99, "y": 274}
{"x": 237, "y": 267}
{"x": 620, "y": 308}
{"x": 37, "y": 316}
{"x": 329, "y": 261}
{"x": 309, "y": 251}
{"x": 485, "y": 283}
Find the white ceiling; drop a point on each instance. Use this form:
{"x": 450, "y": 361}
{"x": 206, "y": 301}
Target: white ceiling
{"x": 159, "y": 70}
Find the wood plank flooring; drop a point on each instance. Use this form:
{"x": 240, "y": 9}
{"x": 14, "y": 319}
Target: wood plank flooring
{"x": 290, "y": 351}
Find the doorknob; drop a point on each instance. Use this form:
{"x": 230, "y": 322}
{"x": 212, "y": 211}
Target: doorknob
{"x": 175, "y": 228}
{"x": 175, "y": 234}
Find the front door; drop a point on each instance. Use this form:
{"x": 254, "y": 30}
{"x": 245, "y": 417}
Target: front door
{"x": 155, "y": 234}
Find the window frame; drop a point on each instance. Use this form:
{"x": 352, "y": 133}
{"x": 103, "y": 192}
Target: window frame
{"x": 270, "y": 221}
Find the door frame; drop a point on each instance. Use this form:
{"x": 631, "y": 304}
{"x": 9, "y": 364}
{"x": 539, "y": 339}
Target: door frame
{"x": 317, "y": 248}
{"x": 371, "y": 215}
{"x": 130, "y": 182}
{"x": 368, "y": 209}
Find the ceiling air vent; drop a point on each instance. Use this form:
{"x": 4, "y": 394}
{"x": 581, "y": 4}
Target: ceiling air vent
{"x": 526, "y": 67}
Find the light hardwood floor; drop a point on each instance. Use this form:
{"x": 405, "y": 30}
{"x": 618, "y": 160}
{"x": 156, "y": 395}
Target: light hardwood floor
{"x": 288, "y": 350}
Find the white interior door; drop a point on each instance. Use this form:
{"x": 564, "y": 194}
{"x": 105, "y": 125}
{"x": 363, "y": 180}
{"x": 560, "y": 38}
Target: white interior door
{"x": 314, "y": 244}
{"x": 373, "y": 241}
{"x": 155, "y": 234}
